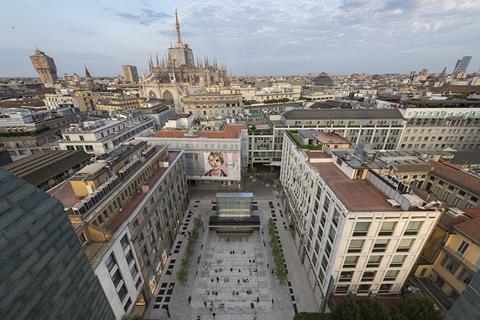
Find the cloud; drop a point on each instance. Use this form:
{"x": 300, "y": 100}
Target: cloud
{"x": 265, "y": 30}
{"x": 145, "y": 16}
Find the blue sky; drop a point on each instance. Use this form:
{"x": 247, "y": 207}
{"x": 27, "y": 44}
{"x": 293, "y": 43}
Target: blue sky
{"x": 269, "y": 37}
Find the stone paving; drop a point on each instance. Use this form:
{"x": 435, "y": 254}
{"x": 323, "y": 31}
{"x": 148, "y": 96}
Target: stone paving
{"x": 212, "y": 253}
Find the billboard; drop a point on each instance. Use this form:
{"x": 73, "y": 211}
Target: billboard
{"x": 214, "y": 165}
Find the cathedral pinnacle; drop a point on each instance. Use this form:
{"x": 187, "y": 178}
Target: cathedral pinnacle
{"x": 177, "y": 26}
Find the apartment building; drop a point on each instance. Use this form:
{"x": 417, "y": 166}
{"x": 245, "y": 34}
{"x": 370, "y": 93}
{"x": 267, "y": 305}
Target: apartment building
{"x": 451, "y": 256}
{"x": 438, "y": 128}
{"x": 126, "y": 209}
{"x": 102, "y": 136}
{"x": 452, "y": 185}
{"x": 355, "y": 232}
{"x": 380, "y": 128}
{"x": 131, "y": 103}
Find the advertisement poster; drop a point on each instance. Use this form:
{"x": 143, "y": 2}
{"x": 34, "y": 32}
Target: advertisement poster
{"x": 222, "y": 165}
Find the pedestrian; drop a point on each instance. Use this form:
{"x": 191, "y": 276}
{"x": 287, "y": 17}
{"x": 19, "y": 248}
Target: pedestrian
{"x": 213, "y": 314}
{"x": 258, "y": 299}
{"x": 198, "y": 317}
{"x": 189, "y": 299}
{"x": 252, "y": 305}
{"x": 273, "y": 301}
{"x": 205, "y": 303}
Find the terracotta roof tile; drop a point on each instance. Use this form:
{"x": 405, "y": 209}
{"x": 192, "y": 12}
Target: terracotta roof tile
{"x": 470, "y": 228}
{"x": 456, "y": 175}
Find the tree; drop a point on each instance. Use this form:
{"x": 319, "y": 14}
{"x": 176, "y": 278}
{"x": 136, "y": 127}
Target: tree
{"x": 416, "y": 308}
{"x": 364, "y": 309}
{"x": 372, "y": 310}
{"x": 347, "y": 310}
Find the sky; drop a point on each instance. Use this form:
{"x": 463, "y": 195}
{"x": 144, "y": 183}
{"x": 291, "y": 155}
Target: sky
{"x": 268, "y": 37}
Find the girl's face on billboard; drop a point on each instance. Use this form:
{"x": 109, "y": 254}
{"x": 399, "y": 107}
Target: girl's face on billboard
{"x": 215, "y": 162}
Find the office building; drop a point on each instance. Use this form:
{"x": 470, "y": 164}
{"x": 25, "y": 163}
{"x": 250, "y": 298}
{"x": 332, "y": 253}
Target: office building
{"x": 45, "y": 66}
{"x": 462, "y": 65}
{"x": 126, "y": 209}
{"x": 102, "y": 136}
{"x": 44, "y": 272}
{"x": 355, "y": 230}
{"x": 130, "y": 73}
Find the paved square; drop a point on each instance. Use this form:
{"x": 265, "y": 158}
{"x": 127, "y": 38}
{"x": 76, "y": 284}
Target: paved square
{"x": 213, "y": 257}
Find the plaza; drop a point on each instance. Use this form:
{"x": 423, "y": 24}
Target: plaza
{"x": 231, "y": 274}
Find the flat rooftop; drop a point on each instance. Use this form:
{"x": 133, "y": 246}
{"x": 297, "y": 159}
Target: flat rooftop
{"x": 356, "y": 195}
{"x": 328, "y": 114}
{"x": 229, "y": 132}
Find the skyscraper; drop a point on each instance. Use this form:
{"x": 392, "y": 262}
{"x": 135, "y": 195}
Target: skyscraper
{"x": 44, "y": 272}
{"x": 462, "y": 65}
{"x": 130, "y": 73}
{"x": 45, "y": 66}
{"x": 89, "y": 84}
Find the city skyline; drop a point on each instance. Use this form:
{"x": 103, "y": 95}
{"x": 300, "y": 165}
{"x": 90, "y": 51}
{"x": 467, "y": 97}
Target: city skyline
{"x": 338, "y": 37}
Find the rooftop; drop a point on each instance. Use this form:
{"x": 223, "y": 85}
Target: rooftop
{"x": 229, "y": 132}
{"x": 327, "y": 138}
{"x": 470, "y": 228}
{"x": 356, "y": 195}
{"x": 300, "y": 114}
{"x": 456, "y": 176}
{"x": 42, "y": 166}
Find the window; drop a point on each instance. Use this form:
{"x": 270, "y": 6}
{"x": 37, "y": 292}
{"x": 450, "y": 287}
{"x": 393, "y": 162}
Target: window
{"x": 361, "y": 228}
{"x": 138, "y": 283}
{"x": 88, "y": 147}
{"x": 134, "y": 271}
{"x": 336, "y": 217}
{"x": 328, "y": 249}
{"x": 374, "y": 261}
{"x": 122, "y": 292}
{"x": 391, "y": 275}
{"x": 413, "y": 227}
{"x": 127, "y": 305}
{"x": 385, "y": 287}
{"x": 124, "y": 242}
{"x": 450, "y": 264}
{"x": 397, "y": 261}
{"x": 111, "y": 262}
{"x": 405, "y": 245}
{"x": 116, "y": 278}
{"x": 368, "y": 275}
{"x": 346, "y": 276}
{"x": 331, "y": 234}
{"x": 363, "y": 288}
{"x": 81, "y": 138}
{"x": 350, "y": 262}
{"x": 380, "y": 245}
{"x": 326, "y": 204}
{"x": 465, "y": 276}
{"x": 355, "y": 246}
{"x": 462, "y": 248}
{"x": 129, "y": 257}
{"x": 343, "y": 288}
{"x": 387, "y": 228}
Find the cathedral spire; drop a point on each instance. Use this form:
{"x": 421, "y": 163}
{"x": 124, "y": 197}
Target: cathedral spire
{"x": 177, "y": 26}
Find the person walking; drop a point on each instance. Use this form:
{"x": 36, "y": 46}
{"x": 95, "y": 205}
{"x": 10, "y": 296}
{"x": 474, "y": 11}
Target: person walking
{"x": 189, "y": 299}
